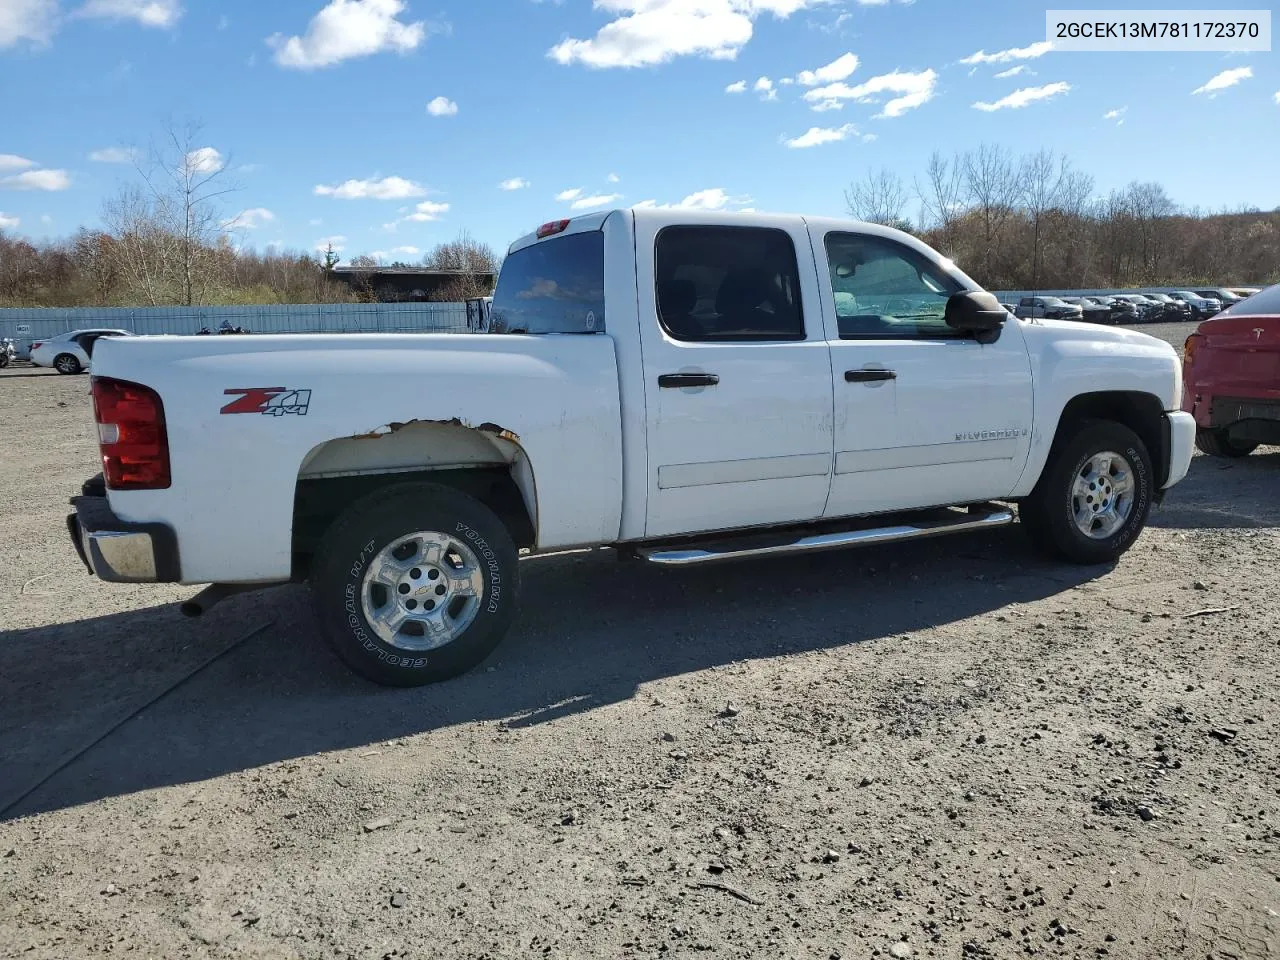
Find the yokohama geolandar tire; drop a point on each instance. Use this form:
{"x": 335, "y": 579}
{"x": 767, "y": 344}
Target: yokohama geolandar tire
{"x": 415, "y": 584}
{"x": 1094, "y": 495}
{"x": 1217, "y": 443}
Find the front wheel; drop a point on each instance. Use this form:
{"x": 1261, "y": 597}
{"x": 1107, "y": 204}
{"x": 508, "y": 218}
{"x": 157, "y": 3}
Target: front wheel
{"x": 67, "y": 363}
{"x": 415, "y": 584}
{"x": 1094, "y": 495}
{"x": 1218, "y": 443}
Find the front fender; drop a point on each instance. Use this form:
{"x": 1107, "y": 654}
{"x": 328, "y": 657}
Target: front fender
{"x": 1070, "y": 360}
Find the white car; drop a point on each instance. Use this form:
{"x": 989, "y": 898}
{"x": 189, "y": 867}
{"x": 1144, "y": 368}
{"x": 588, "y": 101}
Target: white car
{"x": 71, "y": 352}
{"x": 683, "y": 386}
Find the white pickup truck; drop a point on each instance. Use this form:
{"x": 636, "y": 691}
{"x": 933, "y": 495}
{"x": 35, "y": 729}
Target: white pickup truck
{"x": 684, "y": 387}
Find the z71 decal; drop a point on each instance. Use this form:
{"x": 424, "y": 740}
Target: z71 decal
{"x": 272, "y": 401}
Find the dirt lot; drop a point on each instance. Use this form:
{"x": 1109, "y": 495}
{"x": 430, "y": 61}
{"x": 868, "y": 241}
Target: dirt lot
{"x": 949, "y": 749}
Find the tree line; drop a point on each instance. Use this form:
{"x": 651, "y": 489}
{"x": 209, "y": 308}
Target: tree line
{"x": 1036, "y": 222}
{"x": 166, "y": 241}
{"x": 1012, "y": 222}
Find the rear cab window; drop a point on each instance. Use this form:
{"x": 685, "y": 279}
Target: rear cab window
{"x": 552, "y": 286}
{"x": 728, "y": 284}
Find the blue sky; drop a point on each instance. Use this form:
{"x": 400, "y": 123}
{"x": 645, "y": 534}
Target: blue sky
{"x": 392, "y": 124}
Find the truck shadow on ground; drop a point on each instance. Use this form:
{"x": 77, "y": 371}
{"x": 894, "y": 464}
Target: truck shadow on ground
{"x": 591, "y": 632}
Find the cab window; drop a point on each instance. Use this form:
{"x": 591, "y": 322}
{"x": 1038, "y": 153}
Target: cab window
{"x": 885, "y": 289}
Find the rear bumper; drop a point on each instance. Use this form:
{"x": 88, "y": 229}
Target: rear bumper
{"x": 119, "y": 551}
{"x": 1182, "y": 442}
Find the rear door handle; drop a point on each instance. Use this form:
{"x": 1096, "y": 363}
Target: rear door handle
{"x": 868, "y": 376}
{"x": 688, "y": 380}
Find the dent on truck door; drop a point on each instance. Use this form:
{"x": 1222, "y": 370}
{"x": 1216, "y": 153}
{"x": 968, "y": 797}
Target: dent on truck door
{"x": 738, "y": 387}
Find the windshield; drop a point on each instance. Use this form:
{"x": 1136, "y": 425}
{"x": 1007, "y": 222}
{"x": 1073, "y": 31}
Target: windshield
{"x": 552, "y": 286}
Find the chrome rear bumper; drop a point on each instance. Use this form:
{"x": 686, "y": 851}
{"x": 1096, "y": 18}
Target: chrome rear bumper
{"x": 119, "y": 551}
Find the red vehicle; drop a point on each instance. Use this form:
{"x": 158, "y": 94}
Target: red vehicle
{"x": 1231, "y": 376}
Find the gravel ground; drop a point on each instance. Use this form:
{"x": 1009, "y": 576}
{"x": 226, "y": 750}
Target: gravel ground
{"x": 945, "y": 749}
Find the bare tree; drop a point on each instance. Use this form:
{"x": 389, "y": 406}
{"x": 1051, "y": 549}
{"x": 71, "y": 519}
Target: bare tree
{"x": 1041, "y": 179}
{"x": 475, "y": 264}
{"x": 942, "y": 198}
{"x": 143, "y": 251}
{"x": 169, "y": 228}
{"x": 991, "y": 188}
{"x": 94, "y": 255}
{"x": 879, "y": 198}
{"x": 363, "y": 269}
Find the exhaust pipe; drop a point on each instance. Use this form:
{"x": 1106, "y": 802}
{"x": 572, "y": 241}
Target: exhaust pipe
{"x": 213, "y": 594}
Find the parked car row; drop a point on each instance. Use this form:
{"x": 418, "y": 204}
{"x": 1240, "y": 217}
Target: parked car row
{"x": 1127, "y": 308}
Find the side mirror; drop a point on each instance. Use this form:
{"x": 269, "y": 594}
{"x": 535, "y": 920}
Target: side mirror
{"x": 976, "y": 312}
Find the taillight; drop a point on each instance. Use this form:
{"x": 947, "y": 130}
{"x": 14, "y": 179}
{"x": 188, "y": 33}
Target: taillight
{"x": 36, "y": 344}
{"x": 132, "y": 435}
{"x": 1190, "y": 347}
{"x": 552, "y": 228}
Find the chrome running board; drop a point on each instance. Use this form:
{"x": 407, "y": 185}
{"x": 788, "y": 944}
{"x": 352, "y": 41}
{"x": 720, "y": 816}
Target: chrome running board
{"x": 724, "y": 549}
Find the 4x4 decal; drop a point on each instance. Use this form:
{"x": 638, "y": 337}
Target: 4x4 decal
{"x": 272, "y": 401}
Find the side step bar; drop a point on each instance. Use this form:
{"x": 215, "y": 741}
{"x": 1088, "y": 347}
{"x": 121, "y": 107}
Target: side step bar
{"x": 963, "y": 522}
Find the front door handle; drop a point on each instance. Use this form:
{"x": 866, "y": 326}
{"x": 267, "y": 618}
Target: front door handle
{"x": 688, "y": 380}
{"x": 869, "y": 376}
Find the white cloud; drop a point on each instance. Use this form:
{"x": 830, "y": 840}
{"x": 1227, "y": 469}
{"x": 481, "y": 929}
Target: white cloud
{"x": 388, "y": 188}
{"x": 9, "y": 223}
{"x": 566, "y": 195}
{"x": 46, "y": 219}
{"x": 1116, "y": 115}
{"x": 427, "y": 211}
{"x": 714, "y": 198}
{"x": 32, "y": 20}
{"x": 1227, "y": 78}
{"x": 37, "y": 180}
{"x": 1038, "y": 49}
{"x": 11, "y": 161}
{"x": 205, "y": 160}
{"x": 338, "y": 243}
{"x": 149, "y": 13}
{"x": 113, "y": 155}
{"x": 407, "y": 251}
{"x": 597, "y": 200}
{"x": 1012, "y": 72}
{"x": 515, "y": 183}
{"x": 1277, "y": 96}
{"x": 250, "y": 219}
{"x": 613, "y": 178}
{"x": 345, "y": 29}
{"x": 442, "y": 107}
{"x": 649, "y": 32}
{"x": 738, "y": 86}
{"x": 817, "y": 136}
{"x": 315, "y": 221}
{"x": 914, "y": 89}
{"x": 764, "y": 87}
{"x": 1024, "y": 97}
{"x": 838, "y": 69}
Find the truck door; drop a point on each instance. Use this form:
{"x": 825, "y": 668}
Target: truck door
{"x": 737, "y": 376}
{"x": 924, "y": 415}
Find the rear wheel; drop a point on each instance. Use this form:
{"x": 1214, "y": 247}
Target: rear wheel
{"x": 1218, "y": 443}
{"x": 67, "y": 363}
{"x": 415, "y": 584}
{"x": 1094, "y": 495}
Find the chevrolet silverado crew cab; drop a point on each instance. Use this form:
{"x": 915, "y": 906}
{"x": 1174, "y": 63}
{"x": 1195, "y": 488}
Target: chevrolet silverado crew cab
{"x": 684, "y": 387}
